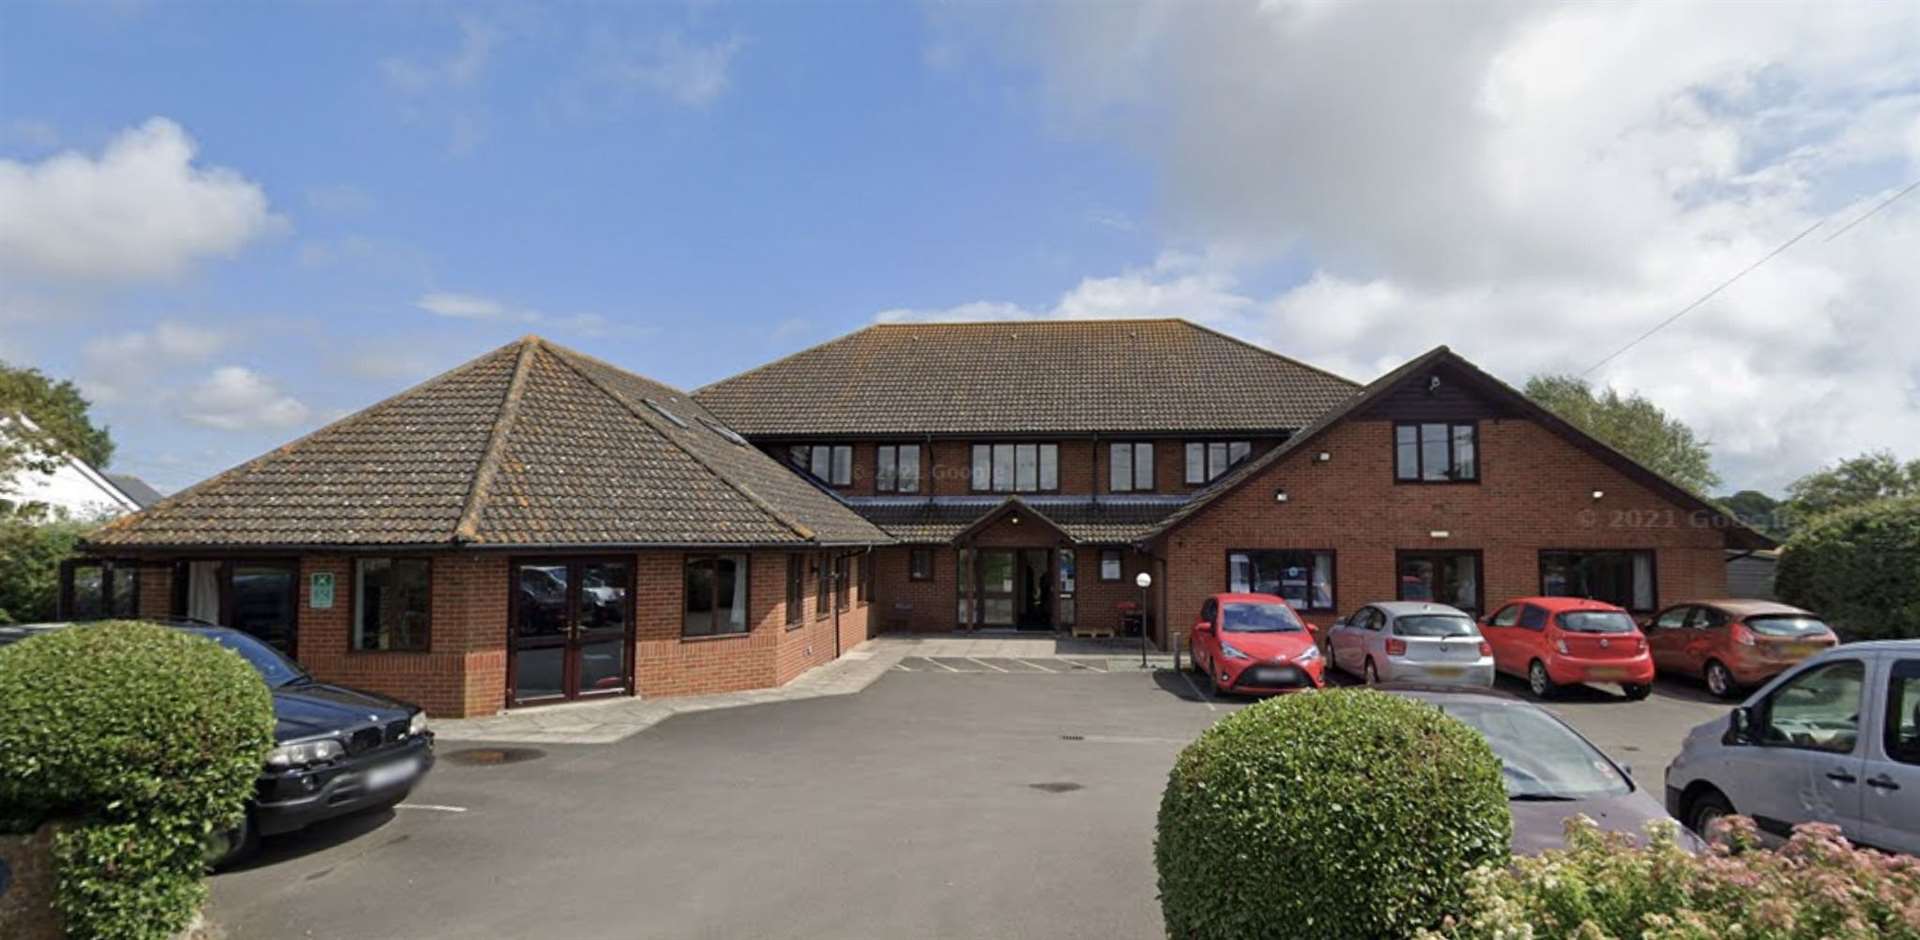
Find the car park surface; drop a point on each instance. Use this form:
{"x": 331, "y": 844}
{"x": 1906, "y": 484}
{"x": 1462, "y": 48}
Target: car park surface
{"x": 969, "y": 802}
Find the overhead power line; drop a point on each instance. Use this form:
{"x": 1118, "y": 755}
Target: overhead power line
{"x": 1743, "y": 272}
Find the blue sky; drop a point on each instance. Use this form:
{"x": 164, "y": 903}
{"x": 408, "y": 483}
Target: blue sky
{"x": 232, "y": 222}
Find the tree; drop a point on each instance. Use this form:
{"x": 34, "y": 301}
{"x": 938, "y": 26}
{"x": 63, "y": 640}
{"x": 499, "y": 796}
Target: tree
{"x": 60, "y": 411}
{"x": 1632, "y": 425}
{"x": 1855, "y": 567}
{"x": 1854, "y": 482}
{"x": 32, "y": 545}
{"x": 1759, "y": 511}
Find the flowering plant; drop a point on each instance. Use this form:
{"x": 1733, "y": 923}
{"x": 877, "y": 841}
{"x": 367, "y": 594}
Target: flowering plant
{"x": 1604, "y": 886}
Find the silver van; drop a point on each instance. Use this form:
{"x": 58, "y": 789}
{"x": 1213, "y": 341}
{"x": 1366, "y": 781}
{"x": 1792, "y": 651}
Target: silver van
{"x": 1835, "y": 740}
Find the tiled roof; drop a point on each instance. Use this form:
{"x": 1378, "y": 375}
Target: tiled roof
{"x": 1026, "y": 377}
{"x": 1109, "y": 520}
{"x": 530, "y": 445}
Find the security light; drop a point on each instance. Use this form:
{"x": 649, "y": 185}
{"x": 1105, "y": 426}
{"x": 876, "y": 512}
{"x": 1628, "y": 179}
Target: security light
{"x": 1279, "y": 496}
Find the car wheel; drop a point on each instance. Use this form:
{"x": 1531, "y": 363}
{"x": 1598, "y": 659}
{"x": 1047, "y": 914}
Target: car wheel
{"x": 227, "y": 848}
{"x": 1193, "y": 660}
{"x": 1706, "y": 808}
{"x": 1637, "y": 693}
{"x": 1213, "y": 684}
{"x": 1720, "y": 679}
{"x": 1372, "y": 674}
{"x": 1539, "y": 682}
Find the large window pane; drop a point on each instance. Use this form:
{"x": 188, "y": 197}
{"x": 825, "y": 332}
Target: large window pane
{"x": 603, "y": 666}
{"x": 1003, "y": 467}
{"x": 1196, "y": 464}
{"x": 1433, "y": 452}
{"x": 716, "y": 595}
{"x": 1026, "y": 467}
{"x": 842, "y": 466}
{"x": 1143, "y": 466}
{"x": 539, "y": 673}
{"x": 603, "y": 596}
{"x": 1622, "y": 578}
{"x": 1049, "y": 466}
{"x": 909, "y": 469}
{"x": 1120, "y": 468}
{"x": 1463, "y": 458}
{"x": 1818, "y": 710}
{"x": 996, "y": 572}
{"x": 886, "y": 474}
{"x": 699, "y": 592}
{"x": 89, "y": 591}
{"x": 1445, "y": 578}
{"x": 263, "y": 603}
{"x": 1406, "y": 452}
{"x": 822, "y": 463}
{"x": 391, "y": 603}
{"x": 1304, "y": 578}
{"x": 1216, "y": 460}
{"x": 982, "y": 467}
{"x": 1236, "y": 452}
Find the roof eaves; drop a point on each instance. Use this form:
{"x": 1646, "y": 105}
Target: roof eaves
{"x": 646, "y": 415}
{"x": 468, "y": 528}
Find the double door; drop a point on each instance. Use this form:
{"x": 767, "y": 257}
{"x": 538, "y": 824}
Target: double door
{"x": 570, "y": 629}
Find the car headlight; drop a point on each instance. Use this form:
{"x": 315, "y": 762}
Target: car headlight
{"x": 418, "y": 726}
{"x": 1312, "y": 653}
{"x": 1227, "y": 650}
{"x": 305, "y": 753}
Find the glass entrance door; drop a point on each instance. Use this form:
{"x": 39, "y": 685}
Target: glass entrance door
{"x": 571, "y": 630}
{"x": 1036, "y": 589}
{"x": 999, "y": 587}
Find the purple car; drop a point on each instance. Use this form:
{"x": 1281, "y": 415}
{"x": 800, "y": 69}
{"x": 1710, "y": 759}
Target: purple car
{"x": 1552, "y": 773}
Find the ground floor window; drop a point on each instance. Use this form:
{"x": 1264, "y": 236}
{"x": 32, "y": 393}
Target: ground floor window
{"x": 1448, "y": 577}
{"x": 842, "y": 580}
{"x": 1304, "y": 577}
{"x": 392, "y": 603}
{"x": 822, "y": 586}
{"x": 95, "y": 588}
{"x": 716, "y": 595}
{"x": 1109, "y": 564}
{"x": 1621, "y": 578}
{"x": 963, "y": 578}
{"x": 796, "y": 587}
{"x": 920, "y": 564}
{"x": 257, "y": 596}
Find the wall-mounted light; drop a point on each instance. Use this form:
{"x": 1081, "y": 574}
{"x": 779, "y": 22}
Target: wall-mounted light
{"x": 1599, "y": 493}
{"x": 1013, "y": 520}
{"x": 1322, "y": 457}
{"x": 1439, "y": 534}
{"x": 1433, "y": 384}
{"x": 1279, "y": 496}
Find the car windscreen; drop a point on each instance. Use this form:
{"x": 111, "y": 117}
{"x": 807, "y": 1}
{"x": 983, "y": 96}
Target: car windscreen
{"x": 1435, "y": 626}
{"x": 1259, "y": 618}
{"x": 1596, "y": 621}
{"x": 1786, "y": 625}
{"x": 1540, "y": 757}
{"x": 276, "y": 669}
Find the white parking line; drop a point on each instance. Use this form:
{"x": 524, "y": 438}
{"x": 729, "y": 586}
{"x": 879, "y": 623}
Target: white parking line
{"x": 435, "y": 807}
{"x": 982, "y": 662}
{"x": 943, "y": 665}
{"x": 1033, "y": 664}
{"x": 1196, "y": 690}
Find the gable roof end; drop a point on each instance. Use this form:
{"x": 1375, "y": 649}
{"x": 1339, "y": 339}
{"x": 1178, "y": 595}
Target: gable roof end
{"x": 1739, "y": 534}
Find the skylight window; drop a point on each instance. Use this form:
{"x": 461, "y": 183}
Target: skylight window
{"x": 664, "y": 413}
{"x": 724, "y": 431}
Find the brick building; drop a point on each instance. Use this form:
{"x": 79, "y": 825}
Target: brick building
{"x": 539, "y": 526}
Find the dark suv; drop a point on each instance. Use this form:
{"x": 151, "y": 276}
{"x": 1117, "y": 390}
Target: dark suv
{"x": 336, "y": 750}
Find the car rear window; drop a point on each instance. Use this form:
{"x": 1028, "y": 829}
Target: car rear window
{"x": 1259, "y": 618}
{"x": 1787, "y": 625}
{"x": 1435, "y": 625}
{"x": 1596, "y": 621}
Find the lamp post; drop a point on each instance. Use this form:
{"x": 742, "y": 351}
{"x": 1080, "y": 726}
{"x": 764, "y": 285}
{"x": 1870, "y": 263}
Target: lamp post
{"x": 1145, "y": 581}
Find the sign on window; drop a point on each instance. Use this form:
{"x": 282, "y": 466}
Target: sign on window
{"x": 320, "y": 590}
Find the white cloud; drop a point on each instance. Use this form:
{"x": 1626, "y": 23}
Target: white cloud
{"x": 235, "y": 398}
{"x": 457, "y": 69}
{"x": 458, "y": 306}
{"x": 1533, "y": 185}
{"x": 135, "y": 366}
{"x": 692, "y": 74}
{"x": 141, "y": 210}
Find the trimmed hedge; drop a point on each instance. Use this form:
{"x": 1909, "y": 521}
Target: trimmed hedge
{"x": 151, "y": 738}
{"x": 1604, "y": 886}
{"x": 1859, "y": 568}
{"x": 1332, "y": 814}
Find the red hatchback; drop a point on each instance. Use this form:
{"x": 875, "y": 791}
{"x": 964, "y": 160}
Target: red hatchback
{"x": 1556, "y": 641}
{"x": 1254, "y": 644}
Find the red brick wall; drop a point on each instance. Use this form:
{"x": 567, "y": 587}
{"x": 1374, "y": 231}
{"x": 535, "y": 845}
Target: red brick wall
{"x": 1535, "y": 493}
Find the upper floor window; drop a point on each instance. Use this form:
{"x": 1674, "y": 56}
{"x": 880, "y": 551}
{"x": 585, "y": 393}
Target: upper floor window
{"x": 1130, "y": 467}
{"x": 1436, "y": 452}
{"x": 898, "y": 468}
{"x": 1016, "y": 468}
{"x": 830, "y": 463}
{"x": 1207, "y": 460}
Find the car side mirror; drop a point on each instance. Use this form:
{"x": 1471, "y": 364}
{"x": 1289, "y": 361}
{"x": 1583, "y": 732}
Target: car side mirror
{"x": 1740, "y": 726}
{"x": 1203, "y": 626}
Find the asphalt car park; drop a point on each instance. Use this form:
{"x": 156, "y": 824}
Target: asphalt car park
{"x": 966, "y": 801}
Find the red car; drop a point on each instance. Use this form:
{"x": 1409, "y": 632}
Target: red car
{"x": 1734, "y": 644}
{"x": 1254, "y": 644}
{"x": 1556, "y": 641}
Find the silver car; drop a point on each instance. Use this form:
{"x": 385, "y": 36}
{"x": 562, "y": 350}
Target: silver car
{"x": 1835, "y": 740}
{"x": 1411, "y": 641}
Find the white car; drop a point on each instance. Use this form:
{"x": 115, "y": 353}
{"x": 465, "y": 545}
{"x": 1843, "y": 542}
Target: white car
{"x": 1833, "y": 740}
{"x": 1411, "y": 641}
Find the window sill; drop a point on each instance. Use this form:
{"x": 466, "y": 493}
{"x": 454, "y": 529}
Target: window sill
{"x": 407, "y": 652}
{"x": 1473, "y": 482}
{"x": 795, "y": 626}
{"x": 716, "y": 636}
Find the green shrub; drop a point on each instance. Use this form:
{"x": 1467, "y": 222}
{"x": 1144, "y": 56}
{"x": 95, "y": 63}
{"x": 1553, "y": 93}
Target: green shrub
{"x": 1857, "y": 568}
{"x": 150, "y": 738}
{"x": 1334, "y": 814}
{"x": 1605, "y": 887}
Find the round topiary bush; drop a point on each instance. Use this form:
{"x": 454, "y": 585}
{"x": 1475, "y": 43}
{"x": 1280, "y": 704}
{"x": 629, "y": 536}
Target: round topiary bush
{"x": 149, "y": 738}
{"x": 1334, "y": 814}
{"x": 1856, "y": 567}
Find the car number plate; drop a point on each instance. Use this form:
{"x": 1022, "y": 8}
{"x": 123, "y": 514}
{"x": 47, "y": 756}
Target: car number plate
{"x": 1803, "y": 649}
{"x": 1603, "y": 674}
{"x": 394, "y": 774}
{"x": 1445, "y": 672}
